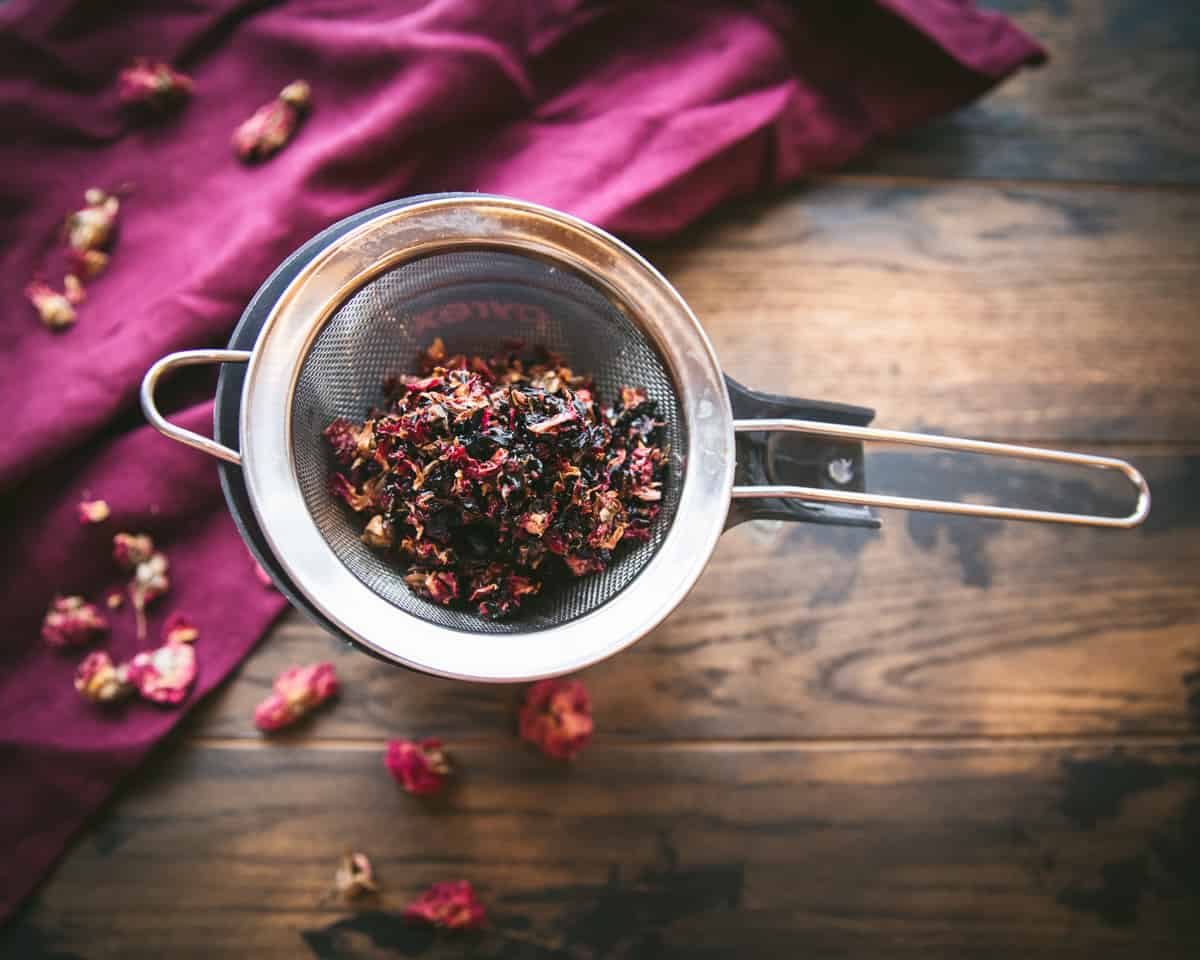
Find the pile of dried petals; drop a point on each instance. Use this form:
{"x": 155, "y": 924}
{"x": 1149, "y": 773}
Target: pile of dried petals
{"x": 163, "y": 675}
{"x": 478, "y": 471}
{"x": 419, "y": 766}
{"x": 272, "y": 125}
{"x": 557, "y": 717}
{"x": 453, "y": 906}
{"x": 72, "y": 622}
{"x": 296, "y": 692}
{"x": 153, "y": 85}
{"x": 149, "y": 566}
{"x": 354, "y": 876}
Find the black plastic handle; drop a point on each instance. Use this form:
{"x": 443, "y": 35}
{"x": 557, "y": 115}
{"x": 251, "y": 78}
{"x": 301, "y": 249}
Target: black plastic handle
{"x": 797, "y": 459}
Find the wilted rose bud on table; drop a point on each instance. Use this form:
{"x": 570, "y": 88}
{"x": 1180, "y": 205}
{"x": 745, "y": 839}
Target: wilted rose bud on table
{"x": 296, "y": 692}
{"x": 557, "y": 717}
{"x": 53, "y": 307}
{"x": 417, "y": 765}
{"x": 72, "y": 622}
{"x": 131, "y": 549}
{"x": 272, "y": 125}
{"x": 90, "y": 228}
{"x": 98, "y": 680}
{"x": 164, "y": 675}
{"x": 93, "y": 511}
{"x": 153, "y": 84}
{"x": 354, "y": 876}
{"x": 452, "y": 906}
{"x": 179, "y": 629}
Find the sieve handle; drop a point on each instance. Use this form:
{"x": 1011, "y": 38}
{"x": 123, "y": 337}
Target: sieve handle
{"x": 860, "y": 498}
{"x": 187, "y": 358}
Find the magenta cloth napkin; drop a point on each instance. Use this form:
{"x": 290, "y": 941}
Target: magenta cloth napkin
{"x": 637, "y": 116}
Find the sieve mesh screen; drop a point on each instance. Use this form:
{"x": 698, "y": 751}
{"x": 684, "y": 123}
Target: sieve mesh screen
{"x": 473, "y": 300}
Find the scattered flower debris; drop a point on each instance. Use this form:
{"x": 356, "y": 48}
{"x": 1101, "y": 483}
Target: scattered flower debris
{"x": 154, "y": 85}
{"x": 419, "y": 766}
{"x": 73, "y": 289}
{"x": 479, "y": 471}
{"x": 88, "y": 263}
{"x": 114, "y": 600}
{"x": 557, "y": 717}
{"x": 53, "y": 307}
{"x": 150, "y": 581}
{"x": 98, "y": 680}
{"x": 354, "y": 876}
{"x": 164, "y": 675}
{"x": 179, "y": 628}
{"x": 131, "y": 549}
{"x": 72, "y": 622}
{"x": 296, "y": 692}
{"x": 90, "y": 228}
{"x": 93, "y": 511}
{"x": 452, "y": 906}
{"x": 272, "y": 125}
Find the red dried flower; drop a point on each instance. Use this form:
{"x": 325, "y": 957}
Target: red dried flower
{"x": 73, "y": 290}
{"x": 296, "y": 692}
{"x": 129, "y": 549}
{"x": 453, "y": 906}
{"x": 93, "y": 511}
{"x": 153, "y": 84}
{"x": 98, "y": 680}
{"x": 88, "y": 263}
{"x": 53, "y": 307}
{"x": 179, "y": 628}
{"x": 557, "y": 717}
{"x": 273, "y": 124}
{"x": 91, "y": 227}
{"x": 72, "y": 622}
{"x": 164, "y": 675}
{"x": 417, "y": 765}
{"x": 354, "y": 875}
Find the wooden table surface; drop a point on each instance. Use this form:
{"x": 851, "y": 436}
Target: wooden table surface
{"x": 946, "y": 737}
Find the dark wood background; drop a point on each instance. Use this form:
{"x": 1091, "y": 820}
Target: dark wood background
{"x": 948, "y": 737}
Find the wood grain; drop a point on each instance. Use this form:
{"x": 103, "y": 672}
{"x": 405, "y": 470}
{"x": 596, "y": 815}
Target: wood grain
{"x": 935, "y": 626}
{"x": 647, "y": 852}
{"x": 1115, "y": 102}
{"x": 1022, "y": 313}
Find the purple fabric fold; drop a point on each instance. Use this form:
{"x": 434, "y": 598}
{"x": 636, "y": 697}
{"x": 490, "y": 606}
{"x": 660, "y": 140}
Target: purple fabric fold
{"x": 640, "y": 117}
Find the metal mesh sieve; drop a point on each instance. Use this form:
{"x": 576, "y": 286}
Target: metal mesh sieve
{"x": 473, "y": 300}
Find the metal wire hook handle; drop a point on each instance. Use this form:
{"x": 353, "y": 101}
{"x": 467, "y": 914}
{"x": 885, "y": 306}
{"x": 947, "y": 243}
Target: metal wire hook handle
{"x": 944, "y": 506}
{"x": 187, "y": 358}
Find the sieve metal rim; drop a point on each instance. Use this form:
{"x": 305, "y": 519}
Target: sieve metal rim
{"x": 440, "y": 225}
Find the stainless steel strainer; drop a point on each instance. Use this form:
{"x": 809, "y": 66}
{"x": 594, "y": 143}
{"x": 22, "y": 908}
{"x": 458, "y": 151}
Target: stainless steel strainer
{"x": 362, "y": 301}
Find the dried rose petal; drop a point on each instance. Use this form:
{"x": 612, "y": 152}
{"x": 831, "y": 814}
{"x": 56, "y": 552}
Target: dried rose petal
{"x": 98, "y": 680}
{"x": 179, "y": 628}
{"x": 129, "y": 549}
{"x": 91, "y": 226}
{"x": 114, "y": 600}
{"x": 165, "y": 674}
{"x": 354, "y": 875}
{"x": 453, "y": 906}
{"x": 88, "y": 263}
{"x": 273, "y": 124}
{"x": 72, "y": 622}
{"x": 417, "y": 765}
{"x": 53, "y": 307}
{"x": 73, "y": 290}
{"x": 93, "y": 511}
{"x": 296, "y": 692}
{"x": 153, "y": 84}
{"x": 557, "y": 717}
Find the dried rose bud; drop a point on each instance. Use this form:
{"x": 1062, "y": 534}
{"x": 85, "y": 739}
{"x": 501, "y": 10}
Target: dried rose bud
{"x": 150, "y": 581}
{"x": 557, "y": 717}
{"x": 93, "y": 511}
{"x": 453, "y": 906}
{"x": 129, "y": 549}
{"x": 179, "y": 628}
{"x": 354, "y": 876}
{"x": 73, "y": 290}
{"x": 72, "y": 622}
{"x": 417, "y": 765}
{"x": 296, "y": 692}
{"x": 91, "y": 226}
{"x": 114, "y": 600}
{"x": 53, "y": 307}
{"x": 165, "y": 674}
{"x": 155, "y": 85}
{"x": 273, "y": 124}
{"x": 98, "y": 680}
{"x": 88, "y": 263}
{"x": 378, "y": 532}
